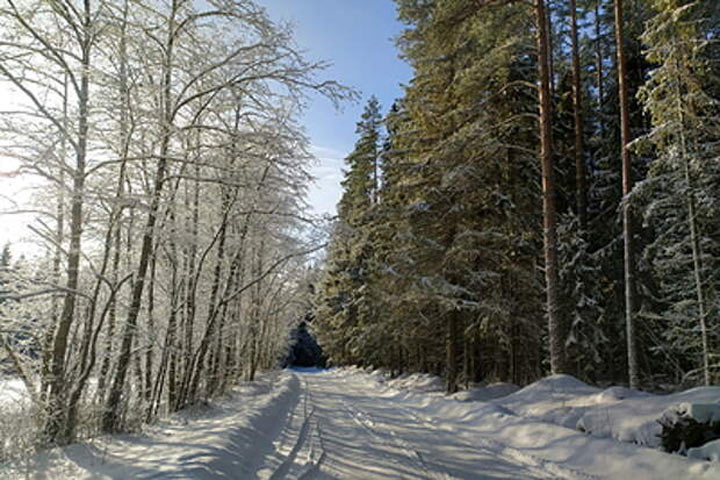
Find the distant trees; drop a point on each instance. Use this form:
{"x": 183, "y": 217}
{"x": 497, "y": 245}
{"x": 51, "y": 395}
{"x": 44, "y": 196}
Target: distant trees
{"x": 452, "y": 262}
{"x": 167, "y": 134}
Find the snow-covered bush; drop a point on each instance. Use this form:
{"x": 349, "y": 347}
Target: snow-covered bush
{"x": 18, "y": 430}
{"x": 686, "y": 426}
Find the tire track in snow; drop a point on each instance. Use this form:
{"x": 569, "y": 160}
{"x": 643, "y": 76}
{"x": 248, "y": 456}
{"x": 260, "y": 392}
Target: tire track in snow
{"x": 316, "y": 438}
{"x": 289, "y": 461}
{"x": 299, "y": 440}
{"x": 393, "y": 440}
{"x": 314, "y": 466}
{"x": 415, "y": 454}
{"x": 501, "y": 449}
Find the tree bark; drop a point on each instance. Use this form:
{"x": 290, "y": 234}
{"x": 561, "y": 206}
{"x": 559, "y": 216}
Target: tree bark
{"x": 629, "y": 267}
{"x": 451, "y": 353}
{"x": 694, "y": 234}
{"x": 57, "y": 399}
{"x": 599, "y": 67}
{"x": 580, "y": 168}
{"x": 556, "y": 331}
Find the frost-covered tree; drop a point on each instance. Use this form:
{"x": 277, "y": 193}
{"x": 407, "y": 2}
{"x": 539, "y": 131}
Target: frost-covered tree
{"x": 681, "y": 97}
{"x": 167, "y": 135}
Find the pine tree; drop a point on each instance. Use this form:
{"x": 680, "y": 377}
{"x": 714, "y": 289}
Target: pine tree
{"x": 605, "y": 222}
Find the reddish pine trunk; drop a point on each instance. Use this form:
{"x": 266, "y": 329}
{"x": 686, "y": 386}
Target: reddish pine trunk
{"x": 633, "y": 373}
{"x": 556, "y": 332}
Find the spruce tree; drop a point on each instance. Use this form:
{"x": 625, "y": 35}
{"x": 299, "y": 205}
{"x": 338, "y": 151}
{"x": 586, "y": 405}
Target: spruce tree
{"x": 467, "y": 247}
{"x": 681, "y": 97}
{"x": 346, "y": 304}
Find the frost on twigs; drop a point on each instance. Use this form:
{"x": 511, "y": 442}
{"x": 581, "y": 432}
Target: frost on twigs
{"x": 687, "y": 426}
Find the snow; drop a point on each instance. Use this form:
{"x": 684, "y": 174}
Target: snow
{"x": 700, "y": 412}
{"x": 709, "y": 451}
{"x": 617, "y": 412}
{"x": 418, "y": 382}
{"x": 350, "y": 424}
{"x": 12, "y": 391}
{"x": 226, "y": 441}
{"x": 484, "y": 393}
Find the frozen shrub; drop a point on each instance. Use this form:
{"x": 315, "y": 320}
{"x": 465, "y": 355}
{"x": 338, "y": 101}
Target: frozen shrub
{"x": 689, "y": 425}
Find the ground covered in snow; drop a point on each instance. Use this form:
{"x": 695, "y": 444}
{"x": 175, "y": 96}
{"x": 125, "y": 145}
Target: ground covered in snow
{"x": 349, "y": 424}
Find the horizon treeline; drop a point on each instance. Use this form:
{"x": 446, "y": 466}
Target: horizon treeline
{"x": 543, "y": 198}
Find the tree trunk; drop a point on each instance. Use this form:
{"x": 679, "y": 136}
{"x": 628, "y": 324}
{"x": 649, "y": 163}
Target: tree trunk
{"x": 59, "y": 385}
{"x": 49, "y": 336}
{"x": 580, "y": 169}
{"x": 112, "y": 317}
{"x": 169, "y": 350}
{"x": 151, "y": 332}
{"x": 555, "y": 328}
{"x": 633, "y": 369}
{"x": 599, "y": 67}
{"x": 110, "y": 420}
{"x": 213, "y": 307}
{"x": 694, "y": 237}
{"x": 697, "y": 270}
{"x": 451, "y": 353}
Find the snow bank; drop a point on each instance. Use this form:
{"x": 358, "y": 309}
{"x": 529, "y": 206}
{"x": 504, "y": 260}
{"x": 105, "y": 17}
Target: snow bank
{"x": 700, "y": 412}
{"x": 229, "y": 439}
{"x": 637, "y": 418}
{"x": 426, "y": 383}
{"x": 486, "y": 393}
{"x": 709, "y": 451}
{"x": 417, "y": 382}
{"x": 616, "y": 412}
{"x": 528, "y": 425}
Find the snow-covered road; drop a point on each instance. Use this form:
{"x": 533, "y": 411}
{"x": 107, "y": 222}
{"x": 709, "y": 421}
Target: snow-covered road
{"x": 341, "y": 430}
{"x": 348, "y": 424}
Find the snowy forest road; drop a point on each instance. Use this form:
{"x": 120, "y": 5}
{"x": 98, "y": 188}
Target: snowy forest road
{"x": 341, "y": 429}
{"x": 350, "y": 424}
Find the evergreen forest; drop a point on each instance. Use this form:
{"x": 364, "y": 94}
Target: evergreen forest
{"x": 542, "y": 199}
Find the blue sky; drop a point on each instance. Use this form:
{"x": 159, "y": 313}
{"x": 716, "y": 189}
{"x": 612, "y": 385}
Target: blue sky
{"x": 356, "y": 36}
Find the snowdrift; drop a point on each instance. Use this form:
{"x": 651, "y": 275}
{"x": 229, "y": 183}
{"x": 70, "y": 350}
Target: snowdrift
{"x": 616, "y": 412}
{"x": 227, "y": 439}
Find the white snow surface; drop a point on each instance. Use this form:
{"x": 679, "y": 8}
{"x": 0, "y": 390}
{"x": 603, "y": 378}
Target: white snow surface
{"x": 349, "y": 424}
{"x": 700, "y": 412}
{"x": 709, "y": 451}
{"x": 617, "y": 412}
{"x": 486, "y": 393}
{"x": 12, "y": 391}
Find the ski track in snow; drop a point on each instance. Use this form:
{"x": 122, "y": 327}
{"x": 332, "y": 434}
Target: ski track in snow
{"x": 359, "y": 435}
{"x": 336, "y": 424}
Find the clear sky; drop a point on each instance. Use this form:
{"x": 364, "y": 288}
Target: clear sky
{"x": 356, "y": 36}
